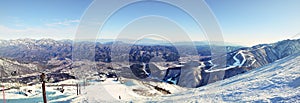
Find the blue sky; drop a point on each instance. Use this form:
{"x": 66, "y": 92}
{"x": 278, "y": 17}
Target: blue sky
{"x": 37, "y": 19}
{"x": 246, "y": 22}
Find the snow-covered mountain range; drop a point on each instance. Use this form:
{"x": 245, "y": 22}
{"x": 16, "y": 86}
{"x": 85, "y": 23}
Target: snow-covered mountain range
{"x": 260, "y": 55}
{"x": 251, "y": 74}
{"x": 240, "y": 61}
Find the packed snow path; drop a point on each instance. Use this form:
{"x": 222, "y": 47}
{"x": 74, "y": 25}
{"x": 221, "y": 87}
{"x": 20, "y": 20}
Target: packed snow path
{"x": 109, "y": 91}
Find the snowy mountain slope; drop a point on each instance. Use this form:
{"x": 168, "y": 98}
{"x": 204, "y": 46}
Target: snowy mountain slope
{"x": 245, "y": 59}
{"x": 237, "y": 62}
{"x": 12, "y": 68}
{"x": 263, "y": 54}
{"x": 276, "y": 82}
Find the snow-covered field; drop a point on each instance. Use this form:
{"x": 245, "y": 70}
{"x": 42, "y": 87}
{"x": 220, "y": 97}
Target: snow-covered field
{"x": 35, "y": 96}
{"x": 131, "y": 90}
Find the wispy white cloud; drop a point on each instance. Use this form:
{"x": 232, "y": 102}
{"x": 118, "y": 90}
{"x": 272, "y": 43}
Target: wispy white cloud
{"x": 297, "y": 36}
{"x": 63, "y": 23}
{"x": 13, "y": 21}
{"x": 37, "y": 32}
{"x": 56, "y": 30}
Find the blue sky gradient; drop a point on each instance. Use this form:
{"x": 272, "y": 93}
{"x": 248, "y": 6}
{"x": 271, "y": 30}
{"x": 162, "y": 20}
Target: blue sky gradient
{"x": 246, "y": 22}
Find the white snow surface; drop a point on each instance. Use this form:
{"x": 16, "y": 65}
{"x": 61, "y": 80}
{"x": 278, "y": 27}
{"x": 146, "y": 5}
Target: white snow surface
{"x": 111, "y": 91}
{"x": 70, "y": 92}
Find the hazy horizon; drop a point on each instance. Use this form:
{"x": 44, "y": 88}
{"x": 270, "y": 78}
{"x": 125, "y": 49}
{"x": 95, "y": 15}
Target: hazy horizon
{"x": 156, "y": 41}
{"x": 245, "y": 23}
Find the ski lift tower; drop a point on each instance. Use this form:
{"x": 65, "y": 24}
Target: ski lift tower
{"x": 43, "y": 80}
{"x": 3, "y": 87}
